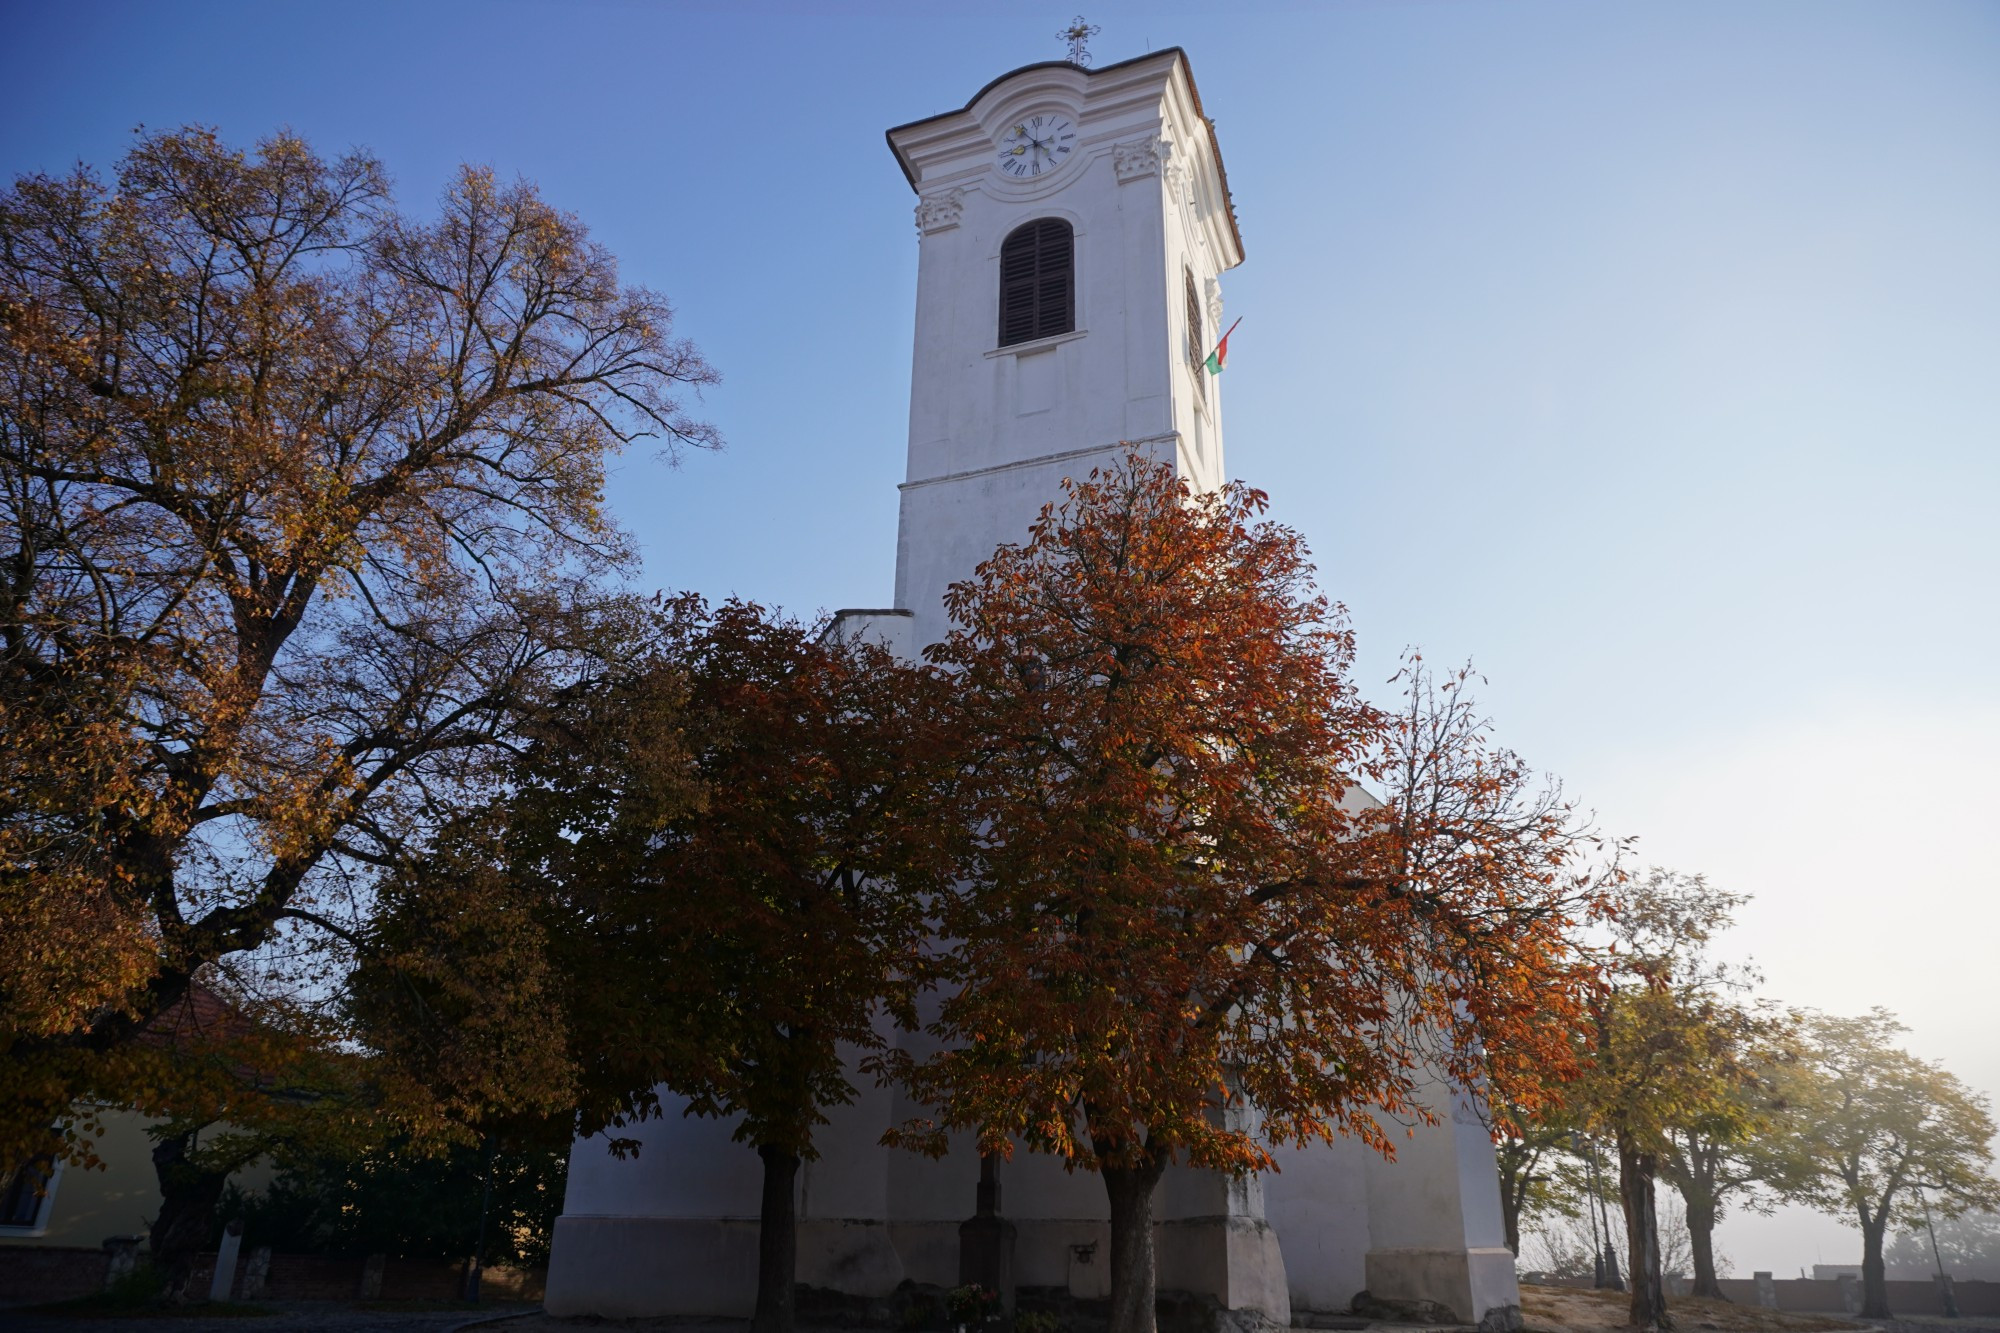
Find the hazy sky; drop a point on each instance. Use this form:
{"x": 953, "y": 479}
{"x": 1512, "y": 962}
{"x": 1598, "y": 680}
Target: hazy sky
{"x": 1648, "y": 355}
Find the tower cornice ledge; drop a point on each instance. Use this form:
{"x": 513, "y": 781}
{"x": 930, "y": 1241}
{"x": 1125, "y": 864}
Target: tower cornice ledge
{"x": 921, "y": 146}
{"x": 1061, "y": 456}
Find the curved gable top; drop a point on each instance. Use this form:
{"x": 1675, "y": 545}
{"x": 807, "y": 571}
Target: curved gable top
{"x": 1179, "y": 64}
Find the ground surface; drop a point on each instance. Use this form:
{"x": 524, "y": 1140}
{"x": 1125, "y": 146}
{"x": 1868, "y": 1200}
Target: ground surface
{"x": 1543, "y": 1309}
{"x": 1579, "y": 1310}
{"x": 266, "y": 1317}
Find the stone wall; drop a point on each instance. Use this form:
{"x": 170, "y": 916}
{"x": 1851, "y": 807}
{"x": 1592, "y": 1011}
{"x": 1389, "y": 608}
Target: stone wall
{"x": 1905, "y": 1298}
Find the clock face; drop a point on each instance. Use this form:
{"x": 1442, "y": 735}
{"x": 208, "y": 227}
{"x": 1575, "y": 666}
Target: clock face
{"x": 1035, "y": 146}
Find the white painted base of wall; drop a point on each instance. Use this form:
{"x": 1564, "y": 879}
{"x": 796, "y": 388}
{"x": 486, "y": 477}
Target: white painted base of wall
{"x": 629, "y": 1267}
{"x": 1234, "y": 1259}
{"x": 1477, "y": 1284}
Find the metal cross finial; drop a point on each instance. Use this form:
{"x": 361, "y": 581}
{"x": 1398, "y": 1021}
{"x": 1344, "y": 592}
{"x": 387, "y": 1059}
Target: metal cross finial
{"x": 1078, "y": 35}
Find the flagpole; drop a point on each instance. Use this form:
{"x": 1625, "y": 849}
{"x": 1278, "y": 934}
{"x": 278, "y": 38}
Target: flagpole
{"x": 1225, "y": 337}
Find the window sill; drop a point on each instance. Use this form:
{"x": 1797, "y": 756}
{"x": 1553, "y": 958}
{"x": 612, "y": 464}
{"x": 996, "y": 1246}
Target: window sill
{"x": 1017, "y": 349}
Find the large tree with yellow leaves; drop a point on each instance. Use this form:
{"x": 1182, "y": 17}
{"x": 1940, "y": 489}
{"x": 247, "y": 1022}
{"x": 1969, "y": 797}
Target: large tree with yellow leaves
{"x": 300, "y": 505}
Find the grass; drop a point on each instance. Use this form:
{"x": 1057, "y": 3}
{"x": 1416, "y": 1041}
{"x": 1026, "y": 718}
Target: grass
{"x": 1582, "y": 1310}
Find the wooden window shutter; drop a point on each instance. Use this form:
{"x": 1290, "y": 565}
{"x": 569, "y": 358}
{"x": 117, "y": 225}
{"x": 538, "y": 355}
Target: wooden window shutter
{"x": 1037, "y": 281}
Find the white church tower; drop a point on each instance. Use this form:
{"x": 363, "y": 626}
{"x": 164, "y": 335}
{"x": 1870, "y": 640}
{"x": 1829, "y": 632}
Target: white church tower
{"x": 1074, "y": 226}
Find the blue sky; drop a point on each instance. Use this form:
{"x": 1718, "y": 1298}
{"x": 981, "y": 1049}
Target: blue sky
{"x": 1649, "y": 355}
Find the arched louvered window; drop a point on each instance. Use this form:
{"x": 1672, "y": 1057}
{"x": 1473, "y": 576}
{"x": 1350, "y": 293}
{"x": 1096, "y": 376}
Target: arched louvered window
{"x": 1037, "y": 281}
{"x": 1197, "y": 339}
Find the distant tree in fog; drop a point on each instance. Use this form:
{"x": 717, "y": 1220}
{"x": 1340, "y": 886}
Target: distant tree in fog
{"x": 1874, "y": 1125}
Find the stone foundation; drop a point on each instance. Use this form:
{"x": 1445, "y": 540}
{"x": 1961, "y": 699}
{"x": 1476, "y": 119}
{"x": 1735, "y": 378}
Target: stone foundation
{"x": 1476, "y": 1286}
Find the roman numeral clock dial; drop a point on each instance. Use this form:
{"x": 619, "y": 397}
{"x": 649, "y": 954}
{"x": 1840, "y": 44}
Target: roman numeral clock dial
{"x": 1035, "y": 146}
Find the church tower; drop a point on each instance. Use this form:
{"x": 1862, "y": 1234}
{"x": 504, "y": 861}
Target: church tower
{"x": 1074, "y": 225}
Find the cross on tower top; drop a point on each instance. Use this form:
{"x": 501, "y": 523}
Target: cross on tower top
{"x": 1078, "y": 35}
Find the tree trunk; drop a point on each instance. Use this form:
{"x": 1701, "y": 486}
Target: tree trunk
{"x": 1642, "y": 1236}
{"x": 1701, "y": 1239}
{"x": 189, "y": 1194}
{"x": 1132, "y": 1277}
{"x": 1874, "y": 1287}
{"x": 1517, "y": 1176}
{"x": 777, "y": 1243}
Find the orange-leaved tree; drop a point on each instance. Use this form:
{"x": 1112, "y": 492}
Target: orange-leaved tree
{"x": 1180, "y": 906}
{"x": 1520, "y": 872}
{"x": 300, "y": 505}
{"x": 725, "y": 860}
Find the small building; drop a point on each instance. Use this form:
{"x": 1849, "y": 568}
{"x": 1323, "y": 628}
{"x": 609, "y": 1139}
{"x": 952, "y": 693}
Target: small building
{"x": 70, "y": 1212}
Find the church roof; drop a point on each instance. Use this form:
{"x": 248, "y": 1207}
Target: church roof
{"x": 1180, "y": 57}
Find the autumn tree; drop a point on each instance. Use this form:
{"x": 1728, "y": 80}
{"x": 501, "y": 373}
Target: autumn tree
{"x": 1875, "y": 1125}
{"x": 1532, "y": 1150}
{"x": 1670, "y": 1052}
{"x": 1473, "y": 820}
{"x": 721, "y": 863}
{"x": 1186, "y": 933}
{"x": 300, "y": 506}
{"x": 228, "y": 1079}
{"x": 1724, "y": 1157}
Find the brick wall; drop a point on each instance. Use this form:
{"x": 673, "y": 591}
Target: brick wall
{"x": 50, "y": 1272}
{"x": 318, "y": 1277}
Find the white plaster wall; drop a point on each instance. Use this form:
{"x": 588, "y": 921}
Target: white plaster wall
{"x": 1434, "y": 1222}
{"x": 1318, "y": 1202}
{"x": 993, "y": 431}
{"x": 118, "y": 1198}
{"x": 1443, "y": 1189}
{"x": 686, "y": 1167}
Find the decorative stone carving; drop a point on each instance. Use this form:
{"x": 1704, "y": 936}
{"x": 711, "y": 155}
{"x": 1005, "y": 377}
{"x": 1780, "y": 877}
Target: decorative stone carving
{"x": 1136, "y": 159}
{"x": 940, "y": 212}
{"x": 1213, "y": 291}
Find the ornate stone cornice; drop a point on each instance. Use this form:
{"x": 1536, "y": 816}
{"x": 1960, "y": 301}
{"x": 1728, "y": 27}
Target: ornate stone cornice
{"x": 1136, "y": 159}
{"x": 941, "y": 211}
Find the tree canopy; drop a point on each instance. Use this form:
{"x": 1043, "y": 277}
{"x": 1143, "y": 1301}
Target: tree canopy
{"x": 300, "y": 507}
{"x": 1181, "y": 904}
{"x": 1874, "y": 1125}
{"x": 712, "y": 874}
{"x": 1669, "y": 1051}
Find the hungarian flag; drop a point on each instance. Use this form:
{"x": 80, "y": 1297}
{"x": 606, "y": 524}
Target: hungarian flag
{"x": 1220, "y": 355}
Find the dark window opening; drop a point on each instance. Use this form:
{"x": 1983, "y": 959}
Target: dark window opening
{"x": 21, "y": 1203}
{"x": 1197, "y": 350}
{"x": 1037, "y": 282}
